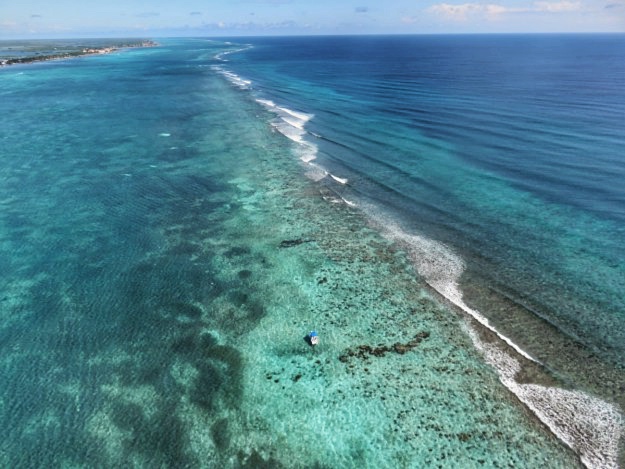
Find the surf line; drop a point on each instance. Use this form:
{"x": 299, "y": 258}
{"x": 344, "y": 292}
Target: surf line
{"x": 220, "y": 56}
{"x": 441, "y": 268}
{"x": 233, "y": 78}
{"x": 292, "y": 125}
{"x": 591, "y": 427}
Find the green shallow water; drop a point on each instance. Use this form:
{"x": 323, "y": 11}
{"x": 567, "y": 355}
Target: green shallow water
{"x": 177, "y": 339}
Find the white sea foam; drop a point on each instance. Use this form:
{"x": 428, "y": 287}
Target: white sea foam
{"x": 315, "y": 173}
{"x": 298, "y": 115}
{"x": 237, "y": 80}
{"x": 338, "y": 179}
{"x": 588, "y": 425}
{"x": 441, "y": 268}
{"x": 294, "y": 133}
{"x": 220, "y": 56}
{"x": 307, "y": 157}
{"x": 233, "y": 77}
{"x": 292, "y": 124}
{"x": 267, "y": 103}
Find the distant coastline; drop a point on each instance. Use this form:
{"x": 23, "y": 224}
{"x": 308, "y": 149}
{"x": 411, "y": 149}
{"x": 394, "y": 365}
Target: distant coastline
{"x": 75, "y": 53}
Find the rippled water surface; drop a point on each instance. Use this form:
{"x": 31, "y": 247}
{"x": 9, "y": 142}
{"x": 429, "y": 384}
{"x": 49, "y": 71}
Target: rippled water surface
{"x": 164, "y": 256}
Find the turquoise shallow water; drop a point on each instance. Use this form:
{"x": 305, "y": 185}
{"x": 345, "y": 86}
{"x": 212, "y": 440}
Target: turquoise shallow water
{"x": 163, "y": 258}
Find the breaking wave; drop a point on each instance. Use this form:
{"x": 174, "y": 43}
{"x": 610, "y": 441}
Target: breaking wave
{"x": 588, "y": 425}
{"x": 288, "y": 122}
{"x": 233, "y": 78}
{"x": 220, "y": 56}
{"x": 292, "y": 124}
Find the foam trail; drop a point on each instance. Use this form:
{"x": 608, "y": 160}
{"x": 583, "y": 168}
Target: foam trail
{"x": 267, "y": 103}
{"x": 285, "y": 113}
{"x": 290, "y": 128}
{"x": 221, "y": 55}
{"x": 441, "y": 268}
{"x": 314, "y": 174}
{"x": 293, "y": 133}
{"x": 307, "y": 157}
{"x": 588, "y": 425}
{"x": 338, "y": 179}
{"x": 298, "y": 115}
{"x": 233, "y": 77}
{"x": 292, "y": 124}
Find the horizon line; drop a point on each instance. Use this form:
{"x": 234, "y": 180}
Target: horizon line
{"x": 516, "y": 33}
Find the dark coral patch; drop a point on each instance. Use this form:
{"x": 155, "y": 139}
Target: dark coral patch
{"x": 221, "y": 434}
{"x": 365, "y": 351}
{"x": 289, "y": 243}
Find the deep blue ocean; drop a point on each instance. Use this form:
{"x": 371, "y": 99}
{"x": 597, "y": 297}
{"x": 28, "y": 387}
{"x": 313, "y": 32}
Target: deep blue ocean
{"x": 175, "y": 218}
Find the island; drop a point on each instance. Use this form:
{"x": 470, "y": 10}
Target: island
{"x": 71, "y": 53}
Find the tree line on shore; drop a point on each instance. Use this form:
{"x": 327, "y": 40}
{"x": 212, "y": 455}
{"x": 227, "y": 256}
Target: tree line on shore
{"x": 74, "y": 53}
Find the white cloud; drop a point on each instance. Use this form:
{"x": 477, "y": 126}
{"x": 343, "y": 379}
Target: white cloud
{"x": 463, "y": 11}
{"x": 557, "y": 7}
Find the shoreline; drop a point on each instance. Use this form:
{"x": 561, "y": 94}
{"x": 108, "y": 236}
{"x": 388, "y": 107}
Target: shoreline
{"x": 82, "y": 52}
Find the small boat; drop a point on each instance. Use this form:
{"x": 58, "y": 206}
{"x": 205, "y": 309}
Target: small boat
{"x": 313, "y": 338}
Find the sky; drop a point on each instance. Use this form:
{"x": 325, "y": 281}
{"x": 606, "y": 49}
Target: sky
{"x": 160, "y": 18}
